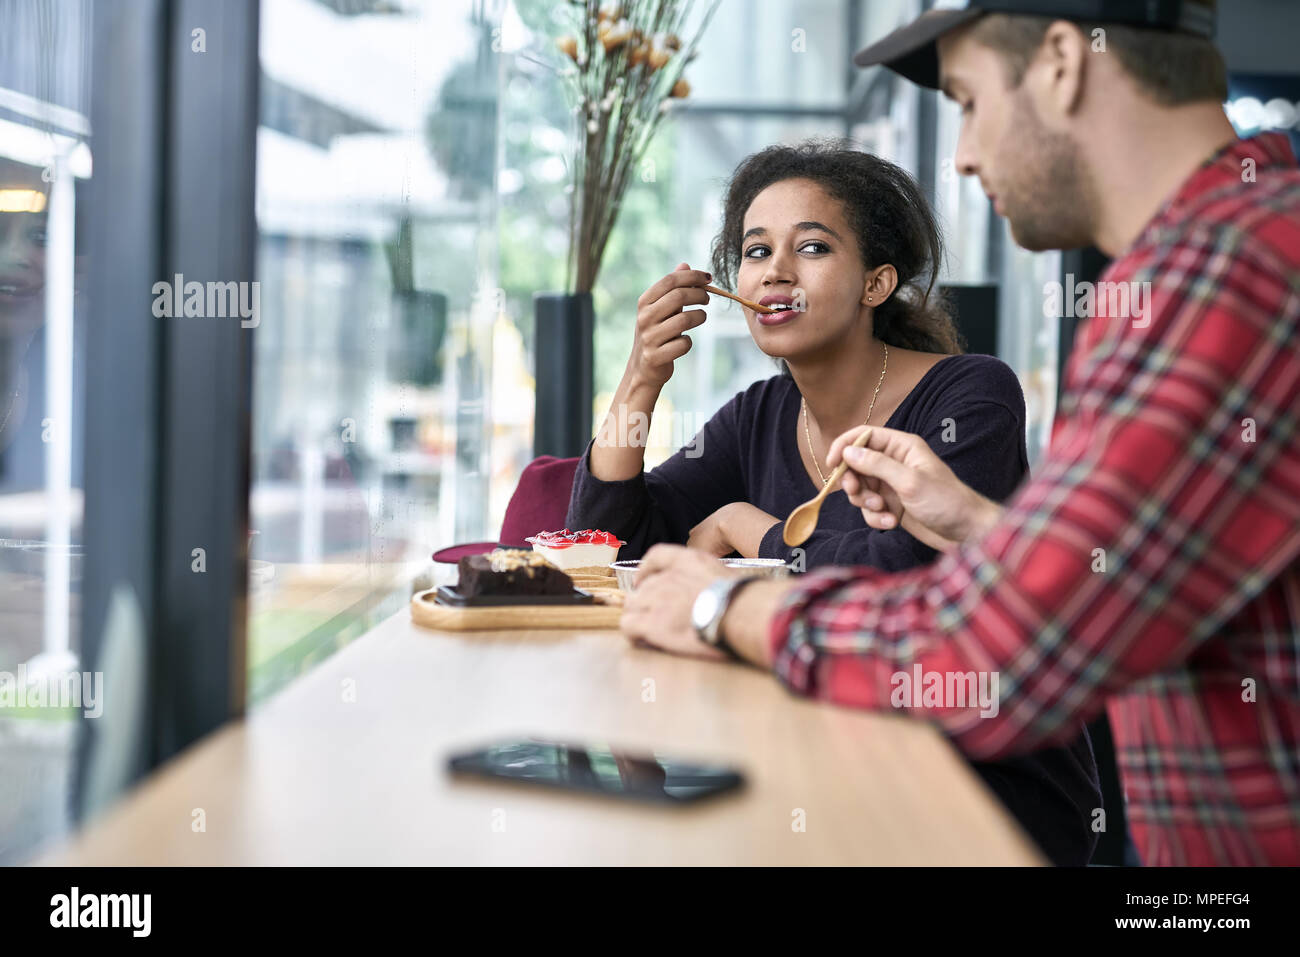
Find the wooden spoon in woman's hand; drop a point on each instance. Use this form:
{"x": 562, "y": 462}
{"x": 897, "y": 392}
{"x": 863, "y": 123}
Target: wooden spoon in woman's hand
{"x": 749, "y": 303}
{"x": 803, "y": 520}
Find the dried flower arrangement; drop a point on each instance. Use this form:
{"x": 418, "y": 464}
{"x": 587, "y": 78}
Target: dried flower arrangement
{"x": 628, "y": 59}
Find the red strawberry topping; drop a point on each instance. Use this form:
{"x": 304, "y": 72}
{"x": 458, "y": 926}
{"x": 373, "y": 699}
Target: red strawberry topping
{"x": 566, "y": 538}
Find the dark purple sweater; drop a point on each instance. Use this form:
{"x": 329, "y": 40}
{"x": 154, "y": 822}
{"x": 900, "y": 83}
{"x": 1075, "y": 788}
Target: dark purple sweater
{"x": 968, "y": 408}
{"x": 971, "y": 411}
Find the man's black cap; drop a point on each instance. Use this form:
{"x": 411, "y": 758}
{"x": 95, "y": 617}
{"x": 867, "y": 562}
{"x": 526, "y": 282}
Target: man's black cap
{"x": 911, "y": 51}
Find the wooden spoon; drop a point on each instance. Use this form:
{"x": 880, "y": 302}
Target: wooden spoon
{"x": 744, "y": 302}
{"x": 803, "y": 520}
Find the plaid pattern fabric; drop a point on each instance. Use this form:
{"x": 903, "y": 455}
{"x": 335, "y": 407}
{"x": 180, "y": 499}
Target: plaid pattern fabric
{"x": 1152, "y": 565}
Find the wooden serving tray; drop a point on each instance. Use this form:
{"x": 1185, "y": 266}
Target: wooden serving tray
{"x": 596, "y": 584}
{"x": 429, "y": 613}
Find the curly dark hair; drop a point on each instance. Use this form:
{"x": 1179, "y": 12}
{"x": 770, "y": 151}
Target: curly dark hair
{"x": 888, "y": 214}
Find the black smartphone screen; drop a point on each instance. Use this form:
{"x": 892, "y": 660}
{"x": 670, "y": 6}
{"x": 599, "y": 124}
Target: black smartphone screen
{"x": 598, "y": 769}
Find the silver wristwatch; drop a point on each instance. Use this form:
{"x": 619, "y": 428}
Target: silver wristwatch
{"x": 710, "y": 605}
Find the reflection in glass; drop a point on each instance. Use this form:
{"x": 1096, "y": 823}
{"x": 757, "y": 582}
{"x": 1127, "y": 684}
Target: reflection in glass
{"x": 44, "y": 164}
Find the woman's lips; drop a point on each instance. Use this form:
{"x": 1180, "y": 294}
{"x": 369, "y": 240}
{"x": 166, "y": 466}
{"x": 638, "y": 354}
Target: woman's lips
{"x": 777, "y": 318}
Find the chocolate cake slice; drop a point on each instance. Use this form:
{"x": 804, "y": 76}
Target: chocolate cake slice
{"x": 511, "y": 571}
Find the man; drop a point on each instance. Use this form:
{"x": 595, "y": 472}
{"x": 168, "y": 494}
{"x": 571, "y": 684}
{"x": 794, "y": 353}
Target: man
{"x": 1152, "y": 564}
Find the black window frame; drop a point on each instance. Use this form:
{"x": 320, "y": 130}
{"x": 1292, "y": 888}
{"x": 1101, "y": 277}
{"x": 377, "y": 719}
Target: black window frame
{"x": 168, "y": 401}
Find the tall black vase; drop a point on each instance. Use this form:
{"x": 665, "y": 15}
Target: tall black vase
{"x": 565, "y": 376}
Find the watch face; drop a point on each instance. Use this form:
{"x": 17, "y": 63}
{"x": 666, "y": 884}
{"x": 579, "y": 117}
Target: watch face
{"x": 706, "y": 607}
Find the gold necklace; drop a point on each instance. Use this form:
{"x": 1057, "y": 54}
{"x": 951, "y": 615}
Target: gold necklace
{"x": 871, "y": 408}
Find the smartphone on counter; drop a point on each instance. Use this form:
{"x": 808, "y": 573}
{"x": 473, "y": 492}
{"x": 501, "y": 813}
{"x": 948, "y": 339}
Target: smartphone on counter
{"x": 597, "y": 769}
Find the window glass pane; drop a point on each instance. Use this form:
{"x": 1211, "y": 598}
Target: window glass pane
{"x": 1027, "y": 340}
{"x": 960, "y": 203}
{"x": 376, "y": 209}
{"x": 45, "y": 166}
{"x": 762, "y": 52}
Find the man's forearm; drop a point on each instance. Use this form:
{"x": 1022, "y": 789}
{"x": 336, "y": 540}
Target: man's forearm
{"x": 747, "y": 623}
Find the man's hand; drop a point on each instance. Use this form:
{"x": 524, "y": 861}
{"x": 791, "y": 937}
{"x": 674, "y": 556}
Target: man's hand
{"x": 658, "y": 612}
{"x": 898, "y": 480}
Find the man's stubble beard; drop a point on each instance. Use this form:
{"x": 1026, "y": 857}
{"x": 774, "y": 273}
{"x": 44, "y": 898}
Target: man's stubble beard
{"x": 1050, "y": 203}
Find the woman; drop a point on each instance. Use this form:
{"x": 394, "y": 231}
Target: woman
{"x": 848, "y": 241}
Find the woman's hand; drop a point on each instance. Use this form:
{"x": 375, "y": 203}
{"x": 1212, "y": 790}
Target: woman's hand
{"x": 662, "y": 320}
{"x": 659, "y": 340}
{"x": 897, "y": 480}
{"x": 738, "y": 527}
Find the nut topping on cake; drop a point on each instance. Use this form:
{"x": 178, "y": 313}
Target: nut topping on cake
{"x": 513, "y": 559}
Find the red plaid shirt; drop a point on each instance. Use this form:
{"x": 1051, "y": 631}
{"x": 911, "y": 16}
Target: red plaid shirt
{"x": 1152, "y": 565}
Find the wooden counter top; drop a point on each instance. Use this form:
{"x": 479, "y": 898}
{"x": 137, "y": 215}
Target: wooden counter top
{"x": 314, "y": 778}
